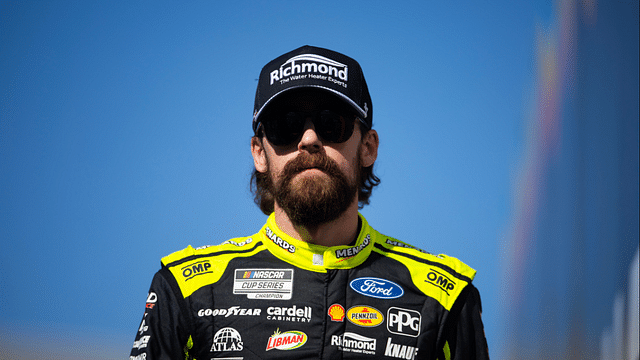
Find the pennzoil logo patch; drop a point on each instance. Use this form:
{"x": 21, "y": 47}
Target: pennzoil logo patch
{"x": 365, "y": 316}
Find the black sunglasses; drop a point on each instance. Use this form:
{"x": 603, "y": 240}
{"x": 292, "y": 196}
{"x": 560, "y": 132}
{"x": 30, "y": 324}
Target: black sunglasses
{"x": 285, "y": 127}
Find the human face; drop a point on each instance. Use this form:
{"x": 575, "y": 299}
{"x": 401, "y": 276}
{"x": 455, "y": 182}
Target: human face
{"x": 312, "y": 180}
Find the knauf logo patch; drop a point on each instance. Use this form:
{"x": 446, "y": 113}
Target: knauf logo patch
{"x": 310, "y": 66}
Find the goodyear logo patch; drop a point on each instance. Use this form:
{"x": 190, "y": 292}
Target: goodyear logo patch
{"x": 365, "y": 316}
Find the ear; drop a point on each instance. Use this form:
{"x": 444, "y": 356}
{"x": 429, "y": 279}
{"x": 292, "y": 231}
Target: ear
{"x": 259, "y": 155}
{"x": 369, "y": 148}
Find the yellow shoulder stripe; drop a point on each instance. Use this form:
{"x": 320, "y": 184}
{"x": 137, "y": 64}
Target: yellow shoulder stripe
{"x": 195, "y": 268}
{"x": 440, "y": 277}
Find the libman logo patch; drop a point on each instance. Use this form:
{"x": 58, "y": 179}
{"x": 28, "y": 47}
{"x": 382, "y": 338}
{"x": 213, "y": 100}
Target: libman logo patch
{"x": 310, "y": 66}
{"x": 366, "y": 316}
{"x": 288, "y": 340}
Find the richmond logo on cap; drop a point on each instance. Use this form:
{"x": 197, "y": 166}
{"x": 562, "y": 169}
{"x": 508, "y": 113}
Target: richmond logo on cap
{"x": 313, "y": 66}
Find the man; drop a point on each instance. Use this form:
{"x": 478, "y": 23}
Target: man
{"x": 317, "y": 281}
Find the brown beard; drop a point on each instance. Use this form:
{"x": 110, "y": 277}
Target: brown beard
{"x": 310, "y": 202}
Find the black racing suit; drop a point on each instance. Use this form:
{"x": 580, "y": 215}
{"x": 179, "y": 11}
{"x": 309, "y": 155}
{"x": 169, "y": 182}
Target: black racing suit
{"x": 269, "y": 296}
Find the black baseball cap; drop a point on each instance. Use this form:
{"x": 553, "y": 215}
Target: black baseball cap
{"x": 316, "y": 68}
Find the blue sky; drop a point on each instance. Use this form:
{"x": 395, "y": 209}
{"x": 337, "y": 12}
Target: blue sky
{"x": 125, "y": 128}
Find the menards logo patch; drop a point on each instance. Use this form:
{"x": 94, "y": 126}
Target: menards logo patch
{"x": 365, "y": 316}
{"x": 288, "y": 340}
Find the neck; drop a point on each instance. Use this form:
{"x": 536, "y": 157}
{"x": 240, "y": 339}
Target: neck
{"x": 341, "y": 231}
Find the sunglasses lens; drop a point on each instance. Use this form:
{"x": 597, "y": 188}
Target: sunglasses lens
{"x": 285, "y": 128}
{"x": 333, "y": 127}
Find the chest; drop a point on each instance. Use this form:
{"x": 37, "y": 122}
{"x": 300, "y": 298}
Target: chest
{"x": 269, "y": 309}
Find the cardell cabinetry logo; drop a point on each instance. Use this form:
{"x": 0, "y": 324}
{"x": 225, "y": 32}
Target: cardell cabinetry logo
{"x": 377, "y": 288}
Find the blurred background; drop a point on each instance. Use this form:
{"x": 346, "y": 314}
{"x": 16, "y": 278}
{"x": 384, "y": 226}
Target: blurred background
{"x": 509, "y": 139}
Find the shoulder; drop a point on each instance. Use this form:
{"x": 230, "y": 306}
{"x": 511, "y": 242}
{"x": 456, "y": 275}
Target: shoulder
{"x": 441, "y": 277}
{"x": 194, "y": 268}
{"x": 230, "y": 246}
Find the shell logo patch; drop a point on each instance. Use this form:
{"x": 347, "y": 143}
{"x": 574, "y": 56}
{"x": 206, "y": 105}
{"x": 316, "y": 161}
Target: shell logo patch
{"x": 365, "y": 316}
{"x": 336, "y": 312}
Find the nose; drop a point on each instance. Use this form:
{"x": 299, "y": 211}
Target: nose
{"x": 310, "y": 140}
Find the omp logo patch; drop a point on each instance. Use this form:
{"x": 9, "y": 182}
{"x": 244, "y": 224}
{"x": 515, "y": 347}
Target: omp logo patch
{"x": 365, "y": 316}
{"x": 194, "y": 269}
{"x": 266, "y": 284}
{"x": 440, "y": 280}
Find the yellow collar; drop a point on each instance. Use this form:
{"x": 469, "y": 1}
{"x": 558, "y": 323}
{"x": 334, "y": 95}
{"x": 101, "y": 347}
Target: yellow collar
{"x": 316, "y": 257}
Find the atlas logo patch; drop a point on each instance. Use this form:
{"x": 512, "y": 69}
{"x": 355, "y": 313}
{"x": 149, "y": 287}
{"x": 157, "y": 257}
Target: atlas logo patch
{"x": 440, "y": 280}
{"x": 355, "y": 343}
{"x": 266, "y": 284}
{"x": 336, "y": 312}
{"x": 403, "y": 321}
{"x": 377, "y": 288}
{"x": 227, "y": 339}
{"x": 365, "y": 316}
{"x": 194, "y": 269}
{"x": 288, "y": 340}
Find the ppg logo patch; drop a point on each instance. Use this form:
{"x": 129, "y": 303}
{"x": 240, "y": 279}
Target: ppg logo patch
{"x": 403, "y": 321}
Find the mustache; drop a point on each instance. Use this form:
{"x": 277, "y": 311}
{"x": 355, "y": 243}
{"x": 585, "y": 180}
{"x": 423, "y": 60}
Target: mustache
{"x": 305, "y": 161}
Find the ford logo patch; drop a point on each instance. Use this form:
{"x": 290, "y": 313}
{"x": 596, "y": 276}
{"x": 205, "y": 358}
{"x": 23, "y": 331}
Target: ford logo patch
{"x": 376, "y": 287}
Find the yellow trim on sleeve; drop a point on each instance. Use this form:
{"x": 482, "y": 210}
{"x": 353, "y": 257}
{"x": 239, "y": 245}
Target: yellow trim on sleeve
{"x": 208, "y": 264}
{"x": 437, "y": 276}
